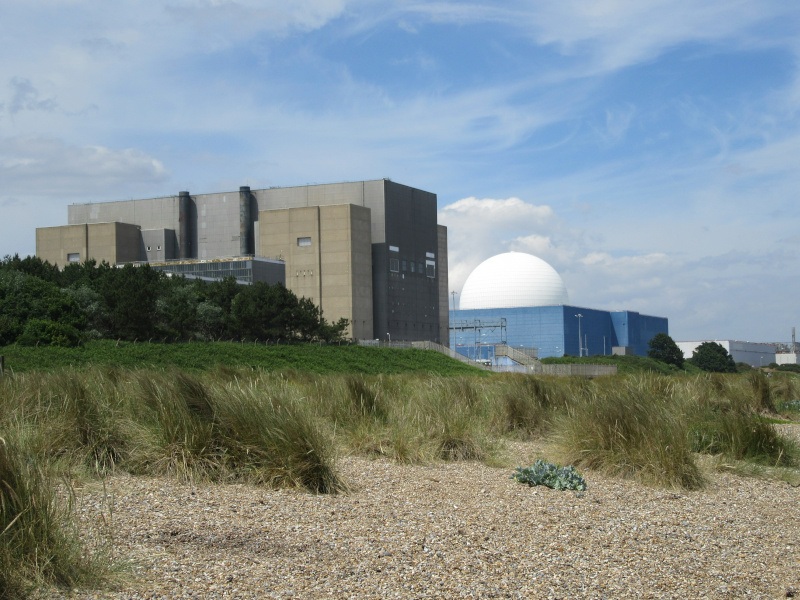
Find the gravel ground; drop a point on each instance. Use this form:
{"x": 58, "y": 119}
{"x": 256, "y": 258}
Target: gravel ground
{"x": 455, "y": 530}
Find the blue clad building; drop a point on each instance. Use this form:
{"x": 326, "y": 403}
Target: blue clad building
{"x": 519, "y": 300}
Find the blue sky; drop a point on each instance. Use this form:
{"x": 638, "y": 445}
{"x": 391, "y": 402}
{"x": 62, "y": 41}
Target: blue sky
{"x": 648, "y": 149}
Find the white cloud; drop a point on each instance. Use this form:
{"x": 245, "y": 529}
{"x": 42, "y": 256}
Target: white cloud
{"x": 44, "y": 166}
{"x": 480, "y": 228}
{"x": 223, "y": 18}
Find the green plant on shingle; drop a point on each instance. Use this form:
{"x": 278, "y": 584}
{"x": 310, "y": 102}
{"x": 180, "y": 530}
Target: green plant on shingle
{"x": 553, "y": 476}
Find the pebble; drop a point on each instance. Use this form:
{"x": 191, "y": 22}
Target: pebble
{"x": 447, "y": 530}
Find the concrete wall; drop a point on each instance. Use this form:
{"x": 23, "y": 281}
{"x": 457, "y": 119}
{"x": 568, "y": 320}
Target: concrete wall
{"x": 217, "y": 227}
{"x": 110, "y": 242}
{"x": 444, "y": 291}
{"x": 55, "y": 244}
{"x": 159, "y": 245}
{"x": 148, "y": 214}
{"x": 411, "y": 311}
{"x": 327, "y": 250}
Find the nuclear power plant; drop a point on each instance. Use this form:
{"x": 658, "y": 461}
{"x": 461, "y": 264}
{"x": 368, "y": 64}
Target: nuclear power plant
{"x": 371, "y": 252}
{"x": 518, "y": 300}
{"x": 368, "y": 251}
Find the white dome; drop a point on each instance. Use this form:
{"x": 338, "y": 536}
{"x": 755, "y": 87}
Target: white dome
{"x": 510, "y": 280}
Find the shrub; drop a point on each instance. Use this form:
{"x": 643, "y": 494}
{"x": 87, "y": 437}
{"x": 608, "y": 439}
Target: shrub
{"x": 553, "y": 476}
{"x": 270, "y": 436}
{"x": 663, "y": 348}
{"x": 49, "y": 333}
{"x": 762, "y": 392}
{"x": 713, "y": 357}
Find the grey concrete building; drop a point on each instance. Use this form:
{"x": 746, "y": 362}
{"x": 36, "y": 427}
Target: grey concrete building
{"x": 368, "y": 251}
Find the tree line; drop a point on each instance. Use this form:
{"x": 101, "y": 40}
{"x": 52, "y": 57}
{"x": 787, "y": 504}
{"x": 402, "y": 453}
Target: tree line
{"x": 708, "y": 356}
{"x": 42, "y": 304}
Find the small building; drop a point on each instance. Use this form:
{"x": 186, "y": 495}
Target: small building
{"x": 755, "y": 354}
{"x": 787, "y": 358}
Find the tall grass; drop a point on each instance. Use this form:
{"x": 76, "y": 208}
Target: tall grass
{"x": 634, "y": 427}
{"x": 38, "y": 541}
{"x": 526, "y": 406}
{"x": 727, "y": 417}
{"x": 287, "y": 428}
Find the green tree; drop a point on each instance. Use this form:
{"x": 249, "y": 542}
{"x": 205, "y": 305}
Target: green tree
{"x": 130, "y": 293}
{"x": 712, "y": 357}
{"x": 31, "y": 265}
{"x": 24, "y": 297}
{"x": 48, "y": 333}
{"x": 663, "y": 348}
{"x": 177, "y": 309}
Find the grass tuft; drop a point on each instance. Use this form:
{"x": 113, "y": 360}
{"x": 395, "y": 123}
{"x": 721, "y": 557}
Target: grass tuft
{"x": 631, "y": 427}
{"x": 38, "y": 543}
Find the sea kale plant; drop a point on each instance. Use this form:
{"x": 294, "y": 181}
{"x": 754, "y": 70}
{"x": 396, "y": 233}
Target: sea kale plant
{"x": 553, "y": 476}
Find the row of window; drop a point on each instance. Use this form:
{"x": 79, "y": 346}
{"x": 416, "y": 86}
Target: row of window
{"x": 396, "y": 266}
{"x": 215, "y": 270}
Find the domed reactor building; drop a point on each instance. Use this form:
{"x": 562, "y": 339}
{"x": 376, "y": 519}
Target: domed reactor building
{"x": 518, "y": 300}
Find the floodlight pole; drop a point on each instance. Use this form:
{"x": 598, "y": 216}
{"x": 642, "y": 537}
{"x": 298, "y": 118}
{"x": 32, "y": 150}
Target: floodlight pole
{"x": 580, "y": 337}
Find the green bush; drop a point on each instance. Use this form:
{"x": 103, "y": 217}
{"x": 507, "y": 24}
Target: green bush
{"x": 49, "y": 333}
{"x": 550, "y": 475}
{"x": 713, "y": 357}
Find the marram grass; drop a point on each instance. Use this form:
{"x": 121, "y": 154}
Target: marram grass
{"x": 39, "y": 544}
{"x": 634, "y": 427}
{"x": 286, "y": 428}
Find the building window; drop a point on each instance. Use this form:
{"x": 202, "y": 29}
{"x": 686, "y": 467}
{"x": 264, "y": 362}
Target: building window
{"x": 430, "y": 268}
{"x": 412, "y": 266}
{"x": 405, "y": 266}
{"x": 394, "y": 265}
{"x": 73, "y": 257}
{"x": 303, "y": 241}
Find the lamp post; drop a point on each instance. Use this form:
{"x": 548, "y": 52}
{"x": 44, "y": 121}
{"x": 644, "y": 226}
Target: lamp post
{"x": 389, "y": 336}
{"x": 580, "y": 337}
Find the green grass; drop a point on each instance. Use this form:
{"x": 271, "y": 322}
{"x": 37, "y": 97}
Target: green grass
{"x": 309, "y": 358}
